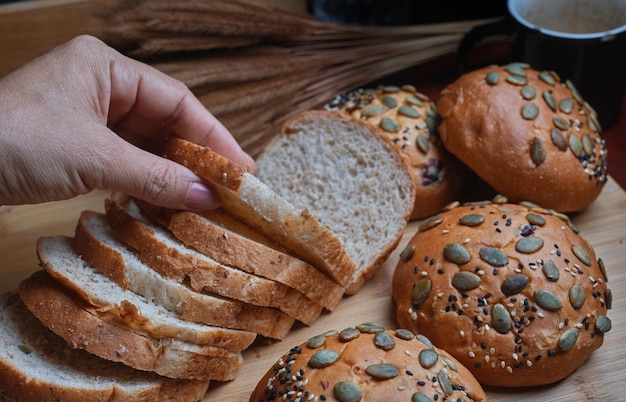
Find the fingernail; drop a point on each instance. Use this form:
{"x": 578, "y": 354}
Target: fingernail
{"x": 201, "y": 197}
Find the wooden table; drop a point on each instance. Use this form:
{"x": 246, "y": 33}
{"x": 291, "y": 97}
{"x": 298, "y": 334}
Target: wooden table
{"x": 24, "y": 34}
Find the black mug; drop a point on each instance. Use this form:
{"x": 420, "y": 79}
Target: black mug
{"x": 583, "y": 41}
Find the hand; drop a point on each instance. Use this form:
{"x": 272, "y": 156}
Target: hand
{"x": 85, "y": 117}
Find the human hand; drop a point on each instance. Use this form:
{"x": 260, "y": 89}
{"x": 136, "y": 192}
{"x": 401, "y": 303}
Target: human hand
{"x": 85, "y": 117}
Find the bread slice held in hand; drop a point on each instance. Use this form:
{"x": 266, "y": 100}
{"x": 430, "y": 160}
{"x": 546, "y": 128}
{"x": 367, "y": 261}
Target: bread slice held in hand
{"x": 83, "y": 326}
{"x": 37, "y": 365}
{"x": 252, "y": 201}
{"x": 349, "y": 177}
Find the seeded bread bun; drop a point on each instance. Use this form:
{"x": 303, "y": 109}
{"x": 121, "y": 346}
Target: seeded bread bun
{"x": 520, "y": 295}
{"x": 525, "y": 133}
{"x": 409, "y": 119}
{"x": 368, "y": 363}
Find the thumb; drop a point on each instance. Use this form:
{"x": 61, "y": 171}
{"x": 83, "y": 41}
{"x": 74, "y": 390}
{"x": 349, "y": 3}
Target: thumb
{"x": 159, "y": 181}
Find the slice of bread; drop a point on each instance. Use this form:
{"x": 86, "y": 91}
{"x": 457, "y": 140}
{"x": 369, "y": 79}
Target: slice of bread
{"x": 349, "y": 177}
{"x": 95, "y": 243}
{"x": 221, "y": 237}
{"x": 37, "y": 365}
{"x": 147, "y": 274}
{"x": 60, "y": 260}
{"x": 253, "y": 202}
{"x": 82, "y": 326}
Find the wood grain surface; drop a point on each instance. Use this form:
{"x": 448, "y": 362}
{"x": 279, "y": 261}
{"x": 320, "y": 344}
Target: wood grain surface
{"x": 603, "y": 224}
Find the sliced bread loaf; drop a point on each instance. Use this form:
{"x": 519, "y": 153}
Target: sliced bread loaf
{"x": 253, "y": 202}
{"x": 61, "y": 261}
{"x": 223, "y": 238}
{"x": 37, "y": 365}
{"x": 349, "y": 177}
{"x": 81, "y": 325}
{"x": 147, "y": 274}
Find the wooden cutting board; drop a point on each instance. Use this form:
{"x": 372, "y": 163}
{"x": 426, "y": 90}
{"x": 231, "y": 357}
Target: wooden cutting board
{"x": 603, "y": 224}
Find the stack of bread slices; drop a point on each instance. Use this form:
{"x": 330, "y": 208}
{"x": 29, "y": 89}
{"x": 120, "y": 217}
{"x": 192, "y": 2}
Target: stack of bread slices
{"x": 148, "y": 303}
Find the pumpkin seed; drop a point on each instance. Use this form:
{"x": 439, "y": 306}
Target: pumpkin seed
{"x": 493, "y": 256}
{"x": 372, "y": 110}
{"x": 408, "y": 111}
{"x": 588, "y": 144}
{"x": 594, "y": 123}
{"x": 349, "y": 334}
{"x": 577, "y": 296}
{"x": 389, "y": 125}
{"x": 420, "y": 397}
{"x": 316, "y": 341}
{"x": 535, "y": 219}
{"x": 369, "y": 328}
{"x": 603, "y": 324}
{"x": 456, "y": 253}
{"x": 449, "y": 363}
{"x": 330, "y": 332}
{"x": 516, "y": 80}
{"x": 608, "y": 299}
{"x": 423, "y": 144}
{"x": 537, "y": 152}
{"x": 529, "y": 245}
{"x": 581, "y": 254}
{"x": 405, "y": 334}
{"x": 571, "y": 225}
{"x": 347, "y": 391}
{"x": 390, "y": 88}
{"x": 422, "y": 96}
{"x": 384, "y": 341}
{"x": 546, "y": 77}
{"x": 529, "y": 204}
{"x": 407, "y": 252}
{"x": 323, "y": 358}
{"x": 382, "y": 371}
{"x": 603, "y": 269}
{"x": 516, "y": 69}
{"x": 472, "y": 219}
{"x": 549, "y": 99}
{"x": 547, "y": 300}
{"x": 514, "y": 284}
{"x": 414, "y": 100}
{"x": 421, "y": 290}
{"x": 568, "y": 339}
{"x": 530, "y": 111}
{"x": 424, "y": 340}
{"x": 528, "y": 92}
{"x": 465, "y": 281}
{"x": 389, "y": 101}
{"x": 428, "y": 358}
{"x": 550, "y": 270}
{"x": 492, "y": 77}
{"x": 560, "y": 123}
{"x": 575, "y": 92}
{"x": 430, "y": 223}
{"x": 408, "y": 88}
{"x": 444, "y": 381}
{"x": 558, "y": 140}
{"x": 451, "y": 206}
{"x": 566, "y": 105}
{"x": 501, "y": 319}
{"x": 499, "y": 199}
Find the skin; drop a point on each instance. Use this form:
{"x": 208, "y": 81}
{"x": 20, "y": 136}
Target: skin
{"x": 85, "y": 117}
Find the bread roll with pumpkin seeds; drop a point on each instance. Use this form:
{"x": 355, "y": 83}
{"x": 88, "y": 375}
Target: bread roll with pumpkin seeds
{"x": 521, "y": 295}
{"x": 409, "y": 119}
{"x": 525, "y": 133}
{"x": 368, "y": 363}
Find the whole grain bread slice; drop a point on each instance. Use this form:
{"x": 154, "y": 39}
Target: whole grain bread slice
{"x": 253, "y": 202}
{"x": 81, "y": 325}
{"x": 349, "y": 177}
{"x": 225, "y": 240}
{"x": 147, "y": 272}
{"x": 62, "y": 262}
{"x": 38, "y": 365}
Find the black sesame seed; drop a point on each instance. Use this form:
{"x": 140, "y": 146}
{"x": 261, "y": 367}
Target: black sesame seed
{"x": 421, "y": 383}
{"x": 409, "y": 372}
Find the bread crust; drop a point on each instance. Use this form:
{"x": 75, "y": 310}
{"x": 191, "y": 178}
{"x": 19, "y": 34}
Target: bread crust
{"x": 523, "y": 287}
{"x": 34, "y": 345}
{"x": 296, "y": 371}
{"x": 437, "y": 175}
{"x": 80, "y": 325}
{"x": 483, "y": 125}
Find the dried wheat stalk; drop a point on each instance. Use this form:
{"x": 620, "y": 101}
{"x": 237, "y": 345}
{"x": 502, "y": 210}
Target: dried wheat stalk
{"x": 254, "y": 66}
